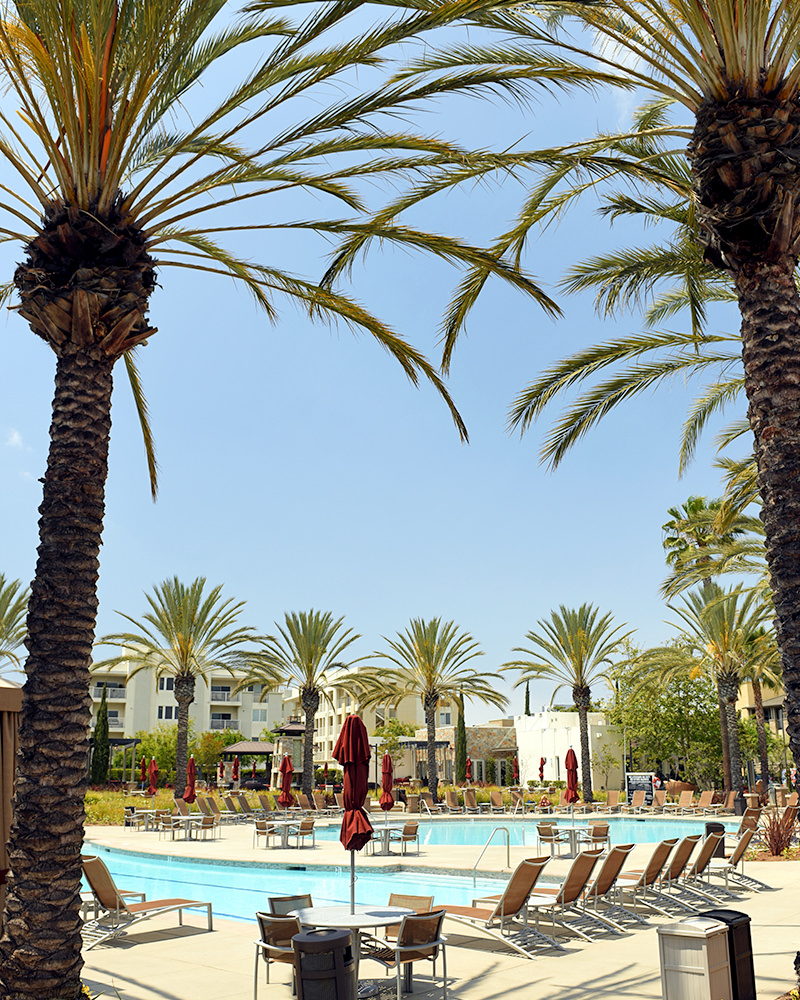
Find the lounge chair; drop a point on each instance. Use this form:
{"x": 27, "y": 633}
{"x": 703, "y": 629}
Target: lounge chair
{"x": 500, "y": 917}
{"x": 612, "y": 802}
{"x": 320, "y": 805}
{"x": 683, "y": 805}
{"x": 600, "y": 897}
{"x": 266, "y": 803}
{"x": 657, "y": 805}
{"x": 234, "y": 813}
{"x": 419, "y": 937}
{"x": 695, "y": 881}
{"x": 408, "y": 835}
{"x": 244, "y": 805}
{"x": 729, "y": 803}
{"x": 432, "y": 807}
{"x": 636, "y": 805}
{"x": 470, "y": 801}
{"x": 517, "y": 800}
{"x": 275, "y": 944}
{"x": 563, "y": 805}
{"x": 667, "y": 893}
{"x": 496, "y": 804}
{"x": 451, "y": 802}
{"x": 115, "y": 915}
{"x": 224, "y": 815}
{"x": 703, "y": 804}
{"x": 640, "y": 882}
{"x": 562, "y": 904}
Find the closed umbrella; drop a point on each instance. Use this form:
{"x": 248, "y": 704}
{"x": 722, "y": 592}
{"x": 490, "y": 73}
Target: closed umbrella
{"x": 235, "y": 775}
{"x": 221, "y": 777}
{"x": 516, "y": 771}
{"x": 153, "y": 773}
{"x": 190, "y": 793}
{"x": 571, "y": 764}
{"x": 353, "y": 753}
{"x": 253, "y": 772}
{"x": 542, "y": 762}
{"x": 286, "y": 799}
{"x": 386, "y": 800}
{"x": 468, "y": 773}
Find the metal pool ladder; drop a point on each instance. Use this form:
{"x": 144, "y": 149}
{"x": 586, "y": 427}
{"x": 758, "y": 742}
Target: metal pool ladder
{"x": 497, "y": 829}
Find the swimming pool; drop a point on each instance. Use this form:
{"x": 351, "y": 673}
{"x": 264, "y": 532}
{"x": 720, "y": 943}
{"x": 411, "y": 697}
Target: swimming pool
{"x": 236, "y": 891}
{"x": 475, "y": 832}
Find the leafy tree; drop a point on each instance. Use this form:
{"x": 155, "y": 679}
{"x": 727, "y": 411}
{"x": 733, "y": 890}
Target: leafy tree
{"x": 390, "y": 733}
{"x": 187, "y": 634}
{"x": 13, "y": 605}
{"x": 101, "y": 748}
{"x": 604, "y": 760}
{"x": 306, "y": 654}
{"x": 573, "y": 648}
{"x": 119, "y": 159}
{"x": 209, "y": 747}
{"x": 461, "y": 744}
{"x": 162, "y": 743}
{"x": 432, "y": 661}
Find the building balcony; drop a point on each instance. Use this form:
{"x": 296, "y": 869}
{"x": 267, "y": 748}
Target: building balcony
{"x": 224, "y": 723}
{"x": 112, "y": 693}
{"x": 227, "y": 697}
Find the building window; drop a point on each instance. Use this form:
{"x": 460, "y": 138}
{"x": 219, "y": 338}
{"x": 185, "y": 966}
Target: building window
{"x": 444, "y": 717}
{"x": 166, "y": 683}
{"x": 259, "y": 715}
{"x": 478, "y": 771}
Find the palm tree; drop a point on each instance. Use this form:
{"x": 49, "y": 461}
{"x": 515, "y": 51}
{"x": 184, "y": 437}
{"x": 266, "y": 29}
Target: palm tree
{"x": 13, "y": 605}
{"x": 574, "y": 648}
{"x": 431, "y": 661}
{"x": 187, "y": 634}
{"x": 120, "y": 161}
{"x": 306, "y": 654}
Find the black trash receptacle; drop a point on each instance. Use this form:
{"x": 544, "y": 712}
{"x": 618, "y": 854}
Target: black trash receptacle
{"x": 740, "y": 952}
{"x": 325, "y": 968}
{"x": 739, "y": 804}
{"x": 719, "y": 850}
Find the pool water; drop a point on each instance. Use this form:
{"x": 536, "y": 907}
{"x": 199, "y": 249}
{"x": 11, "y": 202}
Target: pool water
{"x": 237, "y": 891}
{"x": 475, "y": 832}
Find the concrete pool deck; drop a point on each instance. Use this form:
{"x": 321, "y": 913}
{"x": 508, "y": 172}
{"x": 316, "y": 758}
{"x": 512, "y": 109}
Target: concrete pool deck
{"x": 160, "y": 960}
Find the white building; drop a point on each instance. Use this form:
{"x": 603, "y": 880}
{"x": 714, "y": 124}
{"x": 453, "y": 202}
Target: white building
{"x": 551, "y": 734}
{"x": 140, "y": 703}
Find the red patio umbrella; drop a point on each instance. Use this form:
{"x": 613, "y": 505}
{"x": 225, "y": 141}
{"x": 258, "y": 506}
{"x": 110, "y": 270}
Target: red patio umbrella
{"x": 143, "y": 770}
{"x": 221, "y": 771}
{"x": 386, "y": 800}
{"x": 542, "y": 762}
{"x": 325, "y": 773}
{"x": 253, "y": 772}
{"x": 235, "y": 775}
{"x": 286, "y": 799}
{"x": 353, "y": 753}
{"x": 153, "y": 772}
{"x": 516, "y": 771}
{"x": 468, "y": 774}
{"x": 190, "y": 794}
{"x": 571, "y": 764}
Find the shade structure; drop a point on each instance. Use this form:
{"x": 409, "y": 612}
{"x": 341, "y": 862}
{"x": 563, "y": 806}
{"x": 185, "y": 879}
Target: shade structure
{"x": 143, "y": 771}
{"x": 468, "y": 774}
{"x": 10, "y": 707}
{"x": 542, "y": 762}
{"x": 516, "y": 771}
{"x": 571, "y": 764}
{"x": 152, "y": 772}
{"x": 386, "y": 800}
{"x": 235, "y": 774}
{"x": 190, "y": 792}
{"x": 353, "y": 753}
{"x": 286, "y": 799}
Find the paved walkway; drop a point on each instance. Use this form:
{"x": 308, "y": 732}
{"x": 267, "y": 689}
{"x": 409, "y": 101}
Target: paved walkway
{"x": 162, "y": 961}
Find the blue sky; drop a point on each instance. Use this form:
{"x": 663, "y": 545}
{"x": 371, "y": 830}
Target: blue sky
{"x": 300, "y": 469}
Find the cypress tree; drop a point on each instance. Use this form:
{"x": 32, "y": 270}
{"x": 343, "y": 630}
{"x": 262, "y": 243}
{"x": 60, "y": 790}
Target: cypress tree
{"x": 527, "y": 697}
{"x": 461, "y": 744}
{"x": 101, "y": 749}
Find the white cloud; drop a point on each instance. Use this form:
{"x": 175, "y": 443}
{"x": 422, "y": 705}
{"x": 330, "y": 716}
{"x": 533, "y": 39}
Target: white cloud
{"x": 14, "y": 439}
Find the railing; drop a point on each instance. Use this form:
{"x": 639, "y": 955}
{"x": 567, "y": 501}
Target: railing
{"x": 224, "y": 723}
{"x": 497, "y": 829}
{"x": 118, "y": 693}
{"x": 227, "y": 696}
{"x": 116, "y": 723}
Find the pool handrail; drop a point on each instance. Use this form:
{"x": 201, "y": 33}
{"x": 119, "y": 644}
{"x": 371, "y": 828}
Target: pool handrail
{"x": 497, "y": 829}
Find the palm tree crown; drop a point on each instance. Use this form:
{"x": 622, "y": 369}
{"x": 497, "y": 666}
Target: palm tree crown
{"x": 308, "y": 653}
{"x": 573, "y": 648}
{"x": 187, "y": 634}
{"x": 13, "y": 605}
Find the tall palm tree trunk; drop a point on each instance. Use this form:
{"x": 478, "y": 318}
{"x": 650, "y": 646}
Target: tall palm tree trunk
{"x": 310, "y": 703}
{"x": 184, "y": 696}
{"x": 430, "y": 704}
{"x": 770, "y": 308}
{"x": 40, "y": 951}
{"x": 763, "y": 755}
{"x": 726, "y": 752}
{"x": 729, "y": 688}
{"x": 582, "y": 698}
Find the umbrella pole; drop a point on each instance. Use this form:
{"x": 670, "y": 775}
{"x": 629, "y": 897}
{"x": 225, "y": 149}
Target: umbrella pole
{"x": 352, "y": 881}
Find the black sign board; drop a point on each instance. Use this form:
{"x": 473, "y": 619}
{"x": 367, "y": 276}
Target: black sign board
{"x": 636, "y": 781}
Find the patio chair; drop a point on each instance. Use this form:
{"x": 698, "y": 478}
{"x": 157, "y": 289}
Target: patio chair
{"x": 263, "y": 828}
{"x": 563, "y": 805}
{"x": 728, "y": 805}
{"x": 132, "y": 819}
{"x": 451, "y": 802}
{"x": 224, "y": 814}
{"x": 612, "y": 803}
{"x": 562, "y": 904}
{"x": 266, "y": 803}
{"x": 208, "y": 825}
{"x": 275, "y": 944}
{"x": 695, "y": 881}
{"x": 500, "y": 917}
{"x": 283, "y": 906}
{"x": 235, "y": 815}
{"x": 549, "y": 835}
{"x": 496, "y": 804}
{"x": 703, "y": 804}
{"x": 640, "y": 882}
{"x": 600, "y": 897}
{"x": 115, "y": 915}
{"x": 726, "y": 867}
{"x": 659, "y": 800}
{"x": 433, "y": 807}
{"x": 321, "y": 807}
{"x": 517, "y": 800}
{"x": 204, "y": 807}
{"x": 305, "y": 805}
{"x": 244, "y": 805}
{"x": 683, "y": 805}
{"x": 636, "y": 804}
{"x": 183, "y": 807}
{"x": 420, "y": 937}
{"x": 408, "y": 835}
{"x": 301, "y": 832}
{"x": 596, "y": 836}
{"x": 749, "y": 821}
{"x": 419, "y": 904}
{"x": 470, "y": 801}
